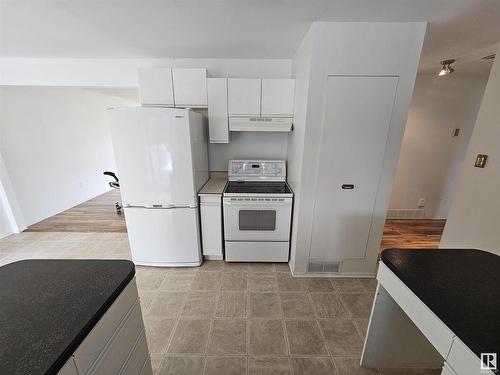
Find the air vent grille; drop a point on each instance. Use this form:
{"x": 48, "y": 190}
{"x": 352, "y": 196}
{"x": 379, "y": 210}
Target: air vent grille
{"x": 411, "y": 213}
{"x": 316, "y": 266}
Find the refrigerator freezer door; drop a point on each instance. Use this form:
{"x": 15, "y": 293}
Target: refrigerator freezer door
{"x": 153, "y": 156}
{"x": 164, "y": 237}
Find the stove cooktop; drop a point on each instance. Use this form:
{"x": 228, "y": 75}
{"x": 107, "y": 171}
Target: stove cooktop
{"x": 257, "y": 187}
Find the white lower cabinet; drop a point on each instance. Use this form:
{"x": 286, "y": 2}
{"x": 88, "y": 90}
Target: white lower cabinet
{"x": 211, "y": 225}
{"x": 116, "y": 344}
{"x": 69, "y": 368}
{"x": 464, "y": 361}
{"x": 116, "y": 354}
{"x": 139, "y": 359}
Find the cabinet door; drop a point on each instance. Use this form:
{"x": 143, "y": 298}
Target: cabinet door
{"x": 211, "y": 227}
{"x": 155, "y": 86}
{"x": 244, "y": 96}
{"x": 217, "y": 110}
{"x": 351, "y": 154}
{"x": 190, "y": 87}
{"x": 278, "y": 97}
{"x": 69, "y": 368}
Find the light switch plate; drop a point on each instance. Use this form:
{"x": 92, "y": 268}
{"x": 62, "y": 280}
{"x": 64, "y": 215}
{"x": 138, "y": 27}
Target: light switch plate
{"x": 480, "y": 160}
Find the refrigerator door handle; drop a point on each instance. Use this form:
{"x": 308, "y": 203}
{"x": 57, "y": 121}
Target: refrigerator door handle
{"x": 159, "y": 206}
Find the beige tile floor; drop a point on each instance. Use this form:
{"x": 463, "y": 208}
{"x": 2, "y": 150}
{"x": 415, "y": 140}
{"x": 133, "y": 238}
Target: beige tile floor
{"x": 227, "y": 318}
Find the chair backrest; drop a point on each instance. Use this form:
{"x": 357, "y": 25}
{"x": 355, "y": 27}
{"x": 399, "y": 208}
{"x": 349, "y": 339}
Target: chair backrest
{"x": 111, "y": 174}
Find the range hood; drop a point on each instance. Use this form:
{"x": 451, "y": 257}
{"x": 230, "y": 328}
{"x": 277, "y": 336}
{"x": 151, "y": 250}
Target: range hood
{"x": 260, "y": 124}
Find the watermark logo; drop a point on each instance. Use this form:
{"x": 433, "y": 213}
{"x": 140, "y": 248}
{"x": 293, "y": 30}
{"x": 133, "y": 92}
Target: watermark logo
{"x": 488, "y": 361}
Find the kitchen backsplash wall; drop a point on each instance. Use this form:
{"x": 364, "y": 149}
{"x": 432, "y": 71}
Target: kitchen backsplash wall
{"x": 247, "y": 145}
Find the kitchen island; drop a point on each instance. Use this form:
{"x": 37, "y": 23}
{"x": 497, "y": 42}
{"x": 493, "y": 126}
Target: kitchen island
{"x": 436, "y": 308}
{"x": 71, "y": 317}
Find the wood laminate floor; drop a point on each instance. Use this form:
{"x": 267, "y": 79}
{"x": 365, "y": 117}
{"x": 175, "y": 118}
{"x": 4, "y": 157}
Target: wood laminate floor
{"x": 418, "y": 233}
{"x": 99, "y": 215}
{"x": 95, "y": 215}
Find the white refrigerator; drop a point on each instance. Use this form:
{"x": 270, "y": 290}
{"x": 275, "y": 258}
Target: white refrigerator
{"x": 162, "y": 162}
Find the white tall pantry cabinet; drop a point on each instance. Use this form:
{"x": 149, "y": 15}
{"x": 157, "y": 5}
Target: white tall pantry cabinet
{"x": 350, "y": 113}
{"x": 353, "y": 144}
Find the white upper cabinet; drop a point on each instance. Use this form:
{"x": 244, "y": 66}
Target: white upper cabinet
{"x": 217, "y": 110}
{"x": 190, "y": 87}
{"x": 155, "y": 86}
{"x": 244, "y": 97}
{"x": 278, "y": 97}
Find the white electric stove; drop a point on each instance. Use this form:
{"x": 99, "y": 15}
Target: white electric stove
{"x": 257, "y": 204}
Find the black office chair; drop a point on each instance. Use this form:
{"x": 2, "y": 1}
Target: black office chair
{"x": 115, "y": 185}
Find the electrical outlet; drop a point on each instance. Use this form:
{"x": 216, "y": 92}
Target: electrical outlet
{"x": 421, "y": 202}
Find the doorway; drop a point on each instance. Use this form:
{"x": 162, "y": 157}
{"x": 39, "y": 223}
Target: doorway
{"x": 439, "y": 126}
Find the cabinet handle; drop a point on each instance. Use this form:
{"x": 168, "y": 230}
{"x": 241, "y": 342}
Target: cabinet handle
{"x": 348, "y": 186}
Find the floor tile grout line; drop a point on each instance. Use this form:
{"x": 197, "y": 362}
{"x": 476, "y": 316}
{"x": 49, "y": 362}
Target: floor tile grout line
{"x": 344, "y": 305}
{"x": 335, "y": 366}
{"x": 290, "y": 365}
{"x": 287, "y": 341}
{"x": 176, "y": 325}
{"x": 323, "y": 336}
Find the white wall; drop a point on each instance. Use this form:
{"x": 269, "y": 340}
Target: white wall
{"x": 10, "y": 210}
{"x": 430, "y": 157}
{"x": 474, "y": 218}
{"x": 123, "y": 72}
{"x": 5, "y": 227}
{"x": 55, "y": 144}
{"x": 247, "y": 145}
{"x": 301, "y": 70}
{"x": 349, "y": 49}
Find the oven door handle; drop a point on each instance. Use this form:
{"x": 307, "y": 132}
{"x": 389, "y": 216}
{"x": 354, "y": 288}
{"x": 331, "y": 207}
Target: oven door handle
{"x": 258, "y": 203}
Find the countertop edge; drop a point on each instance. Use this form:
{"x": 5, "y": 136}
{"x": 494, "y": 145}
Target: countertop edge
{"x": 472, "y": 344}
{"x": 70, "y": 349}
{"x": 214, "y": 186}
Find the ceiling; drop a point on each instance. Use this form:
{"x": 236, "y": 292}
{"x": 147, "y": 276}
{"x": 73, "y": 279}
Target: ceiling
{"x": 461, "y": 29}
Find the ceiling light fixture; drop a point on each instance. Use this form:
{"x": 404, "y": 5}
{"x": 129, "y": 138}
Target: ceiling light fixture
{"x": 446, "y": 67}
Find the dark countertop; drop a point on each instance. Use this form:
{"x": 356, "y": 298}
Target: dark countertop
{"x": 461, "y": 286}
{"x": 47, "y": 308}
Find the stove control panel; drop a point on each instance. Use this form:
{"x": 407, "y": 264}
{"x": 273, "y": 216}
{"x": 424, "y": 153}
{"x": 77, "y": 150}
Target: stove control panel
{"x": 257, "y": 170}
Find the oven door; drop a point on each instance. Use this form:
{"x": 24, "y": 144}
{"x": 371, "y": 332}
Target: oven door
{"x": 257, "y": 219}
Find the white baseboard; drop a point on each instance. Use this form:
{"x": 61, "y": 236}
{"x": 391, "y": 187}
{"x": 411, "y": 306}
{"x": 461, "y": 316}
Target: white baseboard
{"x": 336, "y": 275}
{"x": 3, "y": 235}
{"x": 213, "y": 257}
